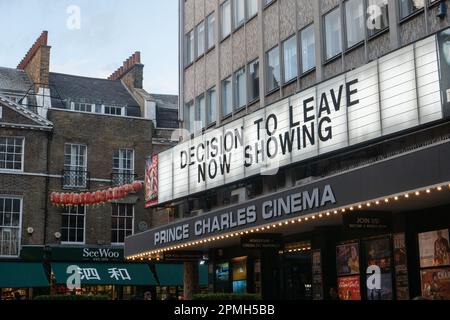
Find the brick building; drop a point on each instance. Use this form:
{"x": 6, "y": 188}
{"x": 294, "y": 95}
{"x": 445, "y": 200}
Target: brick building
{"x": 67, "y": 133}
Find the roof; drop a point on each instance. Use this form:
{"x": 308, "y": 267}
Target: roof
{"x": 91, "y": 90}
{"x": 41, "y": 121}
{"x": 14, "y": 80}
{"x": 165, "y": 100}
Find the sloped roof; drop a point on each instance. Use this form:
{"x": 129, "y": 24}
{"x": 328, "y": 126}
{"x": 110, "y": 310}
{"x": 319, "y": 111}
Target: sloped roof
{"x": 40, "y": 121}
{"x": 91, "y": 90}
{"x": 165, "y": 100}
{"x": 14, "y": 80}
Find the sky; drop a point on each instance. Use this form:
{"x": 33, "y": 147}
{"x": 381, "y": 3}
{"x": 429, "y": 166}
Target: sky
{"x": 95, "y": 42}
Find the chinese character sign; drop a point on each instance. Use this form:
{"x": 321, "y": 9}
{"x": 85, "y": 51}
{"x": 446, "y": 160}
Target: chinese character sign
{"x": 151, "y": 181}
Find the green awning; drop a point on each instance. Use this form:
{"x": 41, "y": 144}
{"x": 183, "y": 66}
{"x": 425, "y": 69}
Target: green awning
{"x": 172, "y": 274}
{"x": 22, "y": 275}
{"x": 105, "y": 274}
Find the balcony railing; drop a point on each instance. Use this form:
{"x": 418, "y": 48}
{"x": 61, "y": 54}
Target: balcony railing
{"x": 75, "y": 179}
{"x": 120, "y": 178}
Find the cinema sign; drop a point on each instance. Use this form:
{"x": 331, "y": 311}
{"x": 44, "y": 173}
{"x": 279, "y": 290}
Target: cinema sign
{"x": 396, "y": 92}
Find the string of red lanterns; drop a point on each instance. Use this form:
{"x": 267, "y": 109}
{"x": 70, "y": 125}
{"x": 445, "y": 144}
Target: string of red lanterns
{"x": 94, "y": 198}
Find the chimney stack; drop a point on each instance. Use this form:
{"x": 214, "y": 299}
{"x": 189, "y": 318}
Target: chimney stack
{"x": 131, "y": 72}
{"x": 36, "y": 62}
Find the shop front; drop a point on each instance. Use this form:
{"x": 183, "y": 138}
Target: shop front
{"x": 22, "y": 280}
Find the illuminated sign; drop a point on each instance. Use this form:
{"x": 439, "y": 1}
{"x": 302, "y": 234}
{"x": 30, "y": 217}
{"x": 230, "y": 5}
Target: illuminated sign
{"x": 396, "y": 92}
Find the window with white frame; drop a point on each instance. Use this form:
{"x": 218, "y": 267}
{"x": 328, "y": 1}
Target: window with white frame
{"x": 290, "y": 59}
{"x": 114, "y": 110}
{"x": 190, "y": 47}
{"x": 239, "y": 13}
{"x": 10, "y": 225}
{"x": 408, "y": 7}
{"x": 308, "y": 45}
{"x": 225, "y": 19}
{"x": 201, "y": 111}
{"x": 240, "y": 89}
{"x": 75, "y": 166}
{"x": 355, "y": 21}
{"x": 200, "y": 39}
{"x": 11, "y": 153}
{"x": 253, "y": 80}
{"x": 210, "y": 31}
{"x": 83, "y": 107}
{"x": 227, "y": 97}
{"x": 73, "y": 220}
{"x": 252, "y": 8}
{"x": 212, "y": 105}
{"x": 122, "y": 221}
{"x": 123, "y": 166}
{"x": 273, "y": 69}
{"x": 333, "y": 36}
{"x": 378, "y": 16}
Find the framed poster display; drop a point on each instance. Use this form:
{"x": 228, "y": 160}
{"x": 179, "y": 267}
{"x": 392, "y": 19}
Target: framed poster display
{"x": 434, "y": 248}
{"x": 347, "y": 259}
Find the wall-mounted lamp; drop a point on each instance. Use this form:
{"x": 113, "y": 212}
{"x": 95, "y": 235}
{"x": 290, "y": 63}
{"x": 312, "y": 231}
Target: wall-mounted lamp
{"x": 30, "y": 230}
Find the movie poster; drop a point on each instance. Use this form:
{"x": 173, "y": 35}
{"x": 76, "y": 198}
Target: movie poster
{"x": 378, "y": 252}
{"x": 349, "y": 288}
{"x": 385, "y": 291}
{"x": 444, "y": 68}
{"x": 436, "y": 283}
{"x": 316, "y": 262}
{"x": 317, "y": 287}
{"x": 151, "y": 181}
{"x": 347, "y": 259}
{"x": 434, "y": 248}
{"x": 401, "y": 267}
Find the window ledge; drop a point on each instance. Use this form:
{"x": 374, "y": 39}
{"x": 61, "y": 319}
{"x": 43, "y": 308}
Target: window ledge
{"x": 330, "y": 60}
{"x": 308, "y": 72}
{"x": 355, "y": 46}
{"x": 378, "y": 33}
{"x": 291, "y": 81}
{"x": 411, "y": 16}
{"x": 273, "y": 91}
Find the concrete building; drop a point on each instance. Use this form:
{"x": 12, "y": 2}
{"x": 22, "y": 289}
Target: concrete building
{"x": 258, "y": 72}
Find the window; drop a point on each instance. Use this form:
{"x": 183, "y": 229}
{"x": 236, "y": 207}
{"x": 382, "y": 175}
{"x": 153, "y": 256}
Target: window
{"x": 11, "y": 153}
{"x": 408, "y": 7}
{"x": 75, "y": 175}
{"x": 190, "y": 117}
{"x": 239, "y": 13}
{"x": 267, "y": 2}
{"x": 121, "y": 222}
{"x": 290, "y": 59}
{"x": 117, "y": 111}
{"x": 227, "y": 97}
{"x": 355, "y": 22}
{"x": 212, "y": 105}
{"x": 253, "y": 80}
{"x": 190, "y": 47}
{"x": 83, "y": 107}
{"x": 72, "y": 224}
{"x": 1, "y": 112}
{"x": 123, "y": 166}
{"x": 378, "y": 16}
{"x": 201, "y": 110}
{"x": 210, "y": 29}
{"x": 10, "y": 225}
{"x": 240, "y": 89}
{"x": 200, "y": 39}
{"x": 273, "y": 69}
{"x": 333, "y": 42}
{"x": 226, "y": 19}
{"x": 252, "y": 8}
{"x": 308, "y": 45}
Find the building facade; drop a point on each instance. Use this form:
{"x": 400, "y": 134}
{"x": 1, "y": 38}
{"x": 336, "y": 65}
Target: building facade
{"x": 74, "y": 134}
{"x": 312, "y": 160}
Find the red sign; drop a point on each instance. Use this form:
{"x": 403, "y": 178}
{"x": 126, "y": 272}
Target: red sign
{"x": 151, "y": 181}
{"x": 349, "y": 288}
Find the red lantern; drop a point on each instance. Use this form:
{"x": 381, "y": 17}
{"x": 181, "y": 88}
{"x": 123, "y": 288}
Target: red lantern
{"x": 128, "y": 188}
{"x": 137, "y": 185}
{"x": 109, "y": 194}
{"x": 76, "y": 199}
{"x": 102, "y": 196}
{"x": 83, "y": 198}
{"x": 57, "y": 198}
{"x": 116, "y": 193}
{"x": 98, "y": 196}
{"x": 93, "y": 198}
{"x": 52, "y": 197}
{"x": 70, "y": 199}
{"x": 87, "y": 198}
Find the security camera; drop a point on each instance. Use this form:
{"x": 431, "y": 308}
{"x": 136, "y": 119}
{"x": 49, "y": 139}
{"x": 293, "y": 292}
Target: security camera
{"x": 30, "y": 230}
{"x": 57, "y": 235}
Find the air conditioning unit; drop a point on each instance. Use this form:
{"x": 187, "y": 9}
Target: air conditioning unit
{"x": 239, "y": 195}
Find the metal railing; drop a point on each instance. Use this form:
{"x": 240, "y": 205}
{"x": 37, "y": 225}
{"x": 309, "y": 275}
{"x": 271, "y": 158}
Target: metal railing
{"x": 75, "y": 179}
{"x": 120, "y": 178}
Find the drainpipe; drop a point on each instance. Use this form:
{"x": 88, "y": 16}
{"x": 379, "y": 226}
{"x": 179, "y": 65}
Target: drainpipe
{"x": 47, "y": 184}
